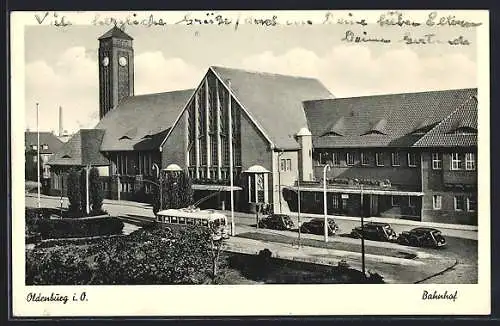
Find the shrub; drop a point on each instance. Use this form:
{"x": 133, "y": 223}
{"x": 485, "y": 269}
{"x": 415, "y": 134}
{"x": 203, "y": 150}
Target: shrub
{"x": 74, "y": 228}
{"x": 74, "y": 193}
{"x": 177, "y": 191}
{"x": 64, "y": 266}
{"x": 157, "y": 255}
{"x": 96, "y": 192}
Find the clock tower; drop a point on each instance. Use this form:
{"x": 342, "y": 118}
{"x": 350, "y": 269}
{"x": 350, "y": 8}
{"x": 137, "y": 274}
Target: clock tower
{"x": 116, "y": 69}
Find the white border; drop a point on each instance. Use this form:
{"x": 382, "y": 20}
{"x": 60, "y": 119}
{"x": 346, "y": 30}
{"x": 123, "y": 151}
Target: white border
{"x": 255, "y": 299}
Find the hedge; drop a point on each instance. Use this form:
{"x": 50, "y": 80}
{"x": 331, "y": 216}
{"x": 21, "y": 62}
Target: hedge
{"x": 75, "y": 228}
{"x": 154, "y": 255}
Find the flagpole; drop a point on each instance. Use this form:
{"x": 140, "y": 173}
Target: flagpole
{"x": 38, "y": 153}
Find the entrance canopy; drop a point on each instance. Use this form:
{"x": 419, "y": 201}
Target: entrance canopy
{"x": 214, "y": 187}
{"x": 257, "y": 169}
{"x": 358, "y": 191}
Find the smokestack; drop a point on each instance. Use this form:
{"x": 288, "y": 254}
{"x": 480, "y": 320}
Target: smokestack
{"x": 60, "y": 121}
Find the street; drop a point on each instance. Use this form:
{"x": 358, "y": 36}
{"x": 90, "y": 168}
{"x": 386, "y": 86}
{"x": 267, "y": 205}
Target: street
{"x": 461, "y": 249}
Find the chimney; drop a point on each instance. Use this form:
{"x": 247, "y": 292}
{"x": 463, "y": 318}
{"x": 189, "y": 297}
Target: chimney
{"x": 60, "y": 121}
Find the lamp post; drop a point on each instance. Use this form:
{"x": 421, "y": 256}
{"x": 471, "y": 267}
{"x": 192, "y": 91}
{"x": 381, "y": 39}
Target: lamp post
{"x": 279, "y": 177}
{"x": 327, "y": 167}
{"x": 38, "y": 153}
{"x": 362, "y": 228}
{"x": 87, "y": 170}
{"x": 298, "y": 206}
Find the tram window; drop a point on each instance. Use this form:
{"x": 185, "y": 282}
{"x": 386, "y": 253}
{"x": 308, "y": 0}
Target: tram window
{"x": 205, "y": 223}
{"x": 182, "y": 220}
{"x": 173, "y": 219}
{"x": 189, "y": 221}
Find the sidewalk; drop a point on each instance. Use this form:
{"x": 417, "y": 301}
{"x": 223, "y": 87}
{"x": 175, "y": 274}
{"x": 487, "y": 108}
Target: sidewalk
{"x": 394, "y": 221}
{"x": 393, "y": 269}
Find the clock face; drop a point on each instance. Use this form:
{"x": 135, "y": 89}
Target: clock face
{"x": 122, "y": 61}
{"x": 105, "y": 61}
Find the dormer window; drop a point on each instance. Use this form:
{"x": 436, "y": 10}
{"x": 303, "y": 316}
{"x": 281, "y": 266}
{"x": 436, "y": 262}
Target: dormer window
{"x": 34, "y": 147}
{"x": 378, "y": 128}
{"x": 423, "y": 127}
{"x": 373, "y": 132}
{"x": 464, "y": 131}
{"x": 45, "y": 146}
{"x": 335, "y": 129}
{"x": 331, "y": 133}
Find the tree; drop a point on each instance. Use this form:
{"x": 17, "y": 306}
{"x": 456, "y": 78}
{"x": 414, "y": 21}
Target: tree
{"x": 96, "y": 193}
{"x": 177, "y": 191}
{"x": 83, "y": 190}
{"x": 74, "y": 194}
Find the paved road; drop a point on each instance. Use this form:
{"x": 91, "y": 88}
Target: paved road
{"x": 462, "y": 249}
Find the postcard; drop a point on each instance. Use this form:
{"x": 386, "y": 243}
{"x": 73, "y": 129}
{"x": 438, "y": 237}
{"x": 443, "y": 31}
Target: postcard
{"x": 250, "y": 163}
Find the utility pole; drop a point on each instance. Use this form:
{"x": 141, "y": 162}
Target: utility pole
{"x": 38, "y": 153}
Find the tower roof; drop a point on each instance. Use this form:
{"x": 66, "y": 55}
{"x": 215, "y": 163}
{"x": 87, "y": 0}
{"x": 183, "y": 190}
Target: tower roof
{"x": 115, "y": 32}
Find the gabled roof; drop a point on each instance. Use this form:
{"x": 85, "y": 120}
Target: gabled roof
{"x": 82, "y": 149}
{"x": 115, "y": 32}
{"x": 395, "y": 116}
{"x": 46, "y": 138}
{"x": 274, "y": 101}
{"x": 459, "y": 129}
{"x": 141, "y": 122}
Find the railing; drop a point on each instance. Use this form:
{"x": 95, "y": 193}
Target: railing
{"x": 224, "y": 180}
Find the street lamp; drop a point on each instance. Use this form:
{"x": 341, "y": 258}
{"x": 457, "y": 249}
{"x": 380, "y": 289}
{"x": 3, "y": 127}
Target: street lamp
{"x": 38, "y": 153}
{"x": 327, "y": 167}
{"x": 279, "y": 177}
{"x": 298, "y": 205}
{"x": 362, "y": 228}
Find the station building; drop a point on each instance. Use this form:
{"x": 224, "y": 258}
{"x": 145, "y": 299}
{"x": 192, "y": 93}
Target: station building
{"x": 410, "y": 155}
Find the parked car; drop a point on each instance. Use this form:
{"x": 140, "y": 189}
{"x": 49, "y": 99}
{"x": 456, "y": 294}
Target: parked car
{"x": 422, "y": 237}
{"x": 317, "y": 226}
{"x": 277, "y": 222}
{"x": 377, "y": 231}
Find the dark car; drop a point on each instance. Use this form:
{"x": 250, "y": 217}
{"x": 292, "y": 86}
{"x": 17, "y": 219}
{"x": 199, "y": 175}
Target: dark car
{"x": 317, "y": 226}
{"x": 375, "y": 231}
{"x": 422, "y": 237}
{"x": 277, "y": 222}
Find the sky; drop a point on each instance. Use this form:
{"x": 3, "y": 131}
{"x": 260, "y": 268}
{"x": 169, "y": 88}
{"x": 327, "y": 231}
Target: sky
{"x": 61, "y": 67}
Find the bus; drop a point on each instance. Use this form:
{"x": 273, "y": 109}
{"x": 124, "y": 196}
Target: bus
{"x": 196, "y": 217}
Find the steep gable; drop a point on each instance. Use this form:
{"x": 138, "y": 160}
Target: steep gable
{"x": 457, "y": 130}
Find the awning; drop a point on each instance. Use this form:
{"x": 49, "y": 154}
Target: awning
{"x": 214, "y": 187}
{"x": 391, "y": 192}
